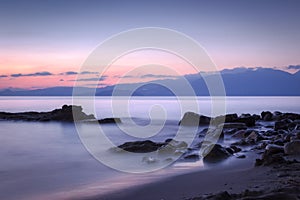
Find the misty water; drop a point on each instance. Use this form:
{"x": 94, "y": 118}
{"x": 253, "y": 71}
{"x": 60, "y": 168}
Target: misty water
{"x": 47, "y": 160}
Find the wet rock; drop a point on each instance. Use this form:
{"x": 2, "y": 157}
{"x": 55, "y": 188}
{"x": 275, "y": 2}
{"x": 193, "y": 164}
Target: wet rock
{"x": 241, "y": 156}
{"x": 256, "y": 117}
{"x": 266, "y": 116}
{"x": 235, "y": 148}
{"x": 292, "y": 148}
{"x": 194, "y": 119}
{"x": 248, "y": 120}
{"x": 273, "y": 149}
{"x": 193, "y": 157}
{"x": 272, "y": 155}
{"x": 141, "y": 146}
{"x": 291, "y": 116}
{"x": 252, "y": 136}
{"x": 281, "y": 125}
{"x": 234, "y": 125}
{"x": 224, "y": 119}
{"x": 217, "y": 153}
{"x": 239, "y": 134}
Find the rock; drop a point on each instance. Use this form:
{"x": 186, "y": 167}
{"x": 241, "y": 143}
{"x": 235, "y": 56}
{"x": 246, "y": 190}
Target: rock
{"x": 239, "y": 134}
{"x": 65, "y": 114}
{"x": 291, "y": 116}
{"x": 229, "y": 118}
{"x": 248, "y": 120}
{"x": 241, "y": 156}
{"x": 109, "y": 121}
{"x": 194, "y": 119}
{"x": 270, "y": 159}
{"x": 266, "y": 116}
{"x": 253, "y": 137}
{"x": 141, "y": 146}
{"x": 292, "y": 148}
{"x": 235, "y": 148}
{"x": 217, "y": 153}
{"x": 234, "y": 125}
{"x": 192, "y": 157}
{"x": 273, "y": 149}
{"x": 256, "y": 117}
{"x": 272, "y": 155}
{"x": 280, "y": 125}
{"x": 279, "y": 142}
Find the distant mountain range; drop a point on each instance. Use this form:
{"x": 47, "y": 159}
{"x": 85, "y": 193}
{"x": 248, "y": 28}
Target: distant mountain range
{"x": 237, "y": 82}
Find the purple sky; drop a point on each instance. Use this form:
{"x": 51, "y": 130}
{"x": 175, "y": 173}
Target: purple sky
{"x": 44, "y": 43}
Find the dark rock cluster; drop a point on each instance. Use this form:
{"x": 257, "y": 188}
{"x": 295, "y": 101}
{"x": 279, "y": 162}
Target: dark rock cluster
{"x": 275, "y": 135}
{"x": 68, "y": 113}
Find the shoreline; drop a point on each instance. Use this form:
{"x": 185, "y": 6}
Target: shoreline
{"x": 239, "y": 180}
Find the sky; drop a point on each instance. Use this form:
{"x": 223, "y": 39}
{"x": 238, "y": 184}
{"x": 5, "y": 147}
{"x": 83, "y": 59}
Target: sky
{"x": 44, "y": 43}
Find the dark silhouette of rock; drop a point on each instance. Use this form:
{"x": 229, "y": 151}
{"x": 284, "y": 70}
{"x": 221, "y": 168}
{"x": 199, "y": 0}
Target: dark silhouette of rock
{"x": 194, "y": 119}
{"x": 266, "y": 116}
{"x": 141, "y": 146}
{"x": 109, "y": 121}
{"x": 65, "y": 114}
{"x": 248, "y": 120}
{"x": 217, "y": 153}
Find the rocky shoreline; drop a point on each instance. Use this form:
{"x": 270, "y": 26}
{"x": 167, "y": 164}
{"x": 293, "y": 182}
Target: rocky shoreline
{"x": 274, "y": 137}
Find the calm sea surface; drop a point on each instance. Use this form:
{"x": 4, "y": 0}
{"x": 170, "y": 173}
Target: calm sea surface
{"x": 48, "y": 160}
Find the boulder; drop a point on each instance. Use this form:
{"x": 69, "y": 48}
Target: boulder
{"x": 194, "y": 119}
{"x": 248, "y": 120}
{"x": 217, "y": 153}
{"x": 266, "y": 116}
{"x": 141, "y": 146}
{"x": 292, "y": 148}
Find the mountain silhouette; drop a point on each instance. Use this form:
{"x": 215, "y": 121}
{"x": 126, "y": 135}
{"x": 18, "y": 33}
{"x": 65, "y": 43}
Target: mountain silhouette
{"x": 237, "y": 82}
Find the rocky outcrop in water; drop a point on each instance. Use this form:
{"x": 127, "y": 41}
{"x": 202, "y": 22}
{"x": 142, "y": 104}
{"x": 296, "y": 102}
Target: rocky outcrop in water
{"x": 68, "y": 113}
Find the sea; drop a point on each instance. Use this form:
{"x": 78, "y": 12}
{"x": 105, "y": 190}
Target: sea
{"x": 50, "y": 160}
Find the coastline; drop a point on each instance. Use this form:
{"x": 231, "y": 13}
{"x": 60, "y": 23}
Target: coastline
{"x": 241, "y": 180}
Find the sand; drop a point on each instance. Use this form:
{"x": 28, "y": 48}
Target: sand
{"x": 238, "y": 177}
